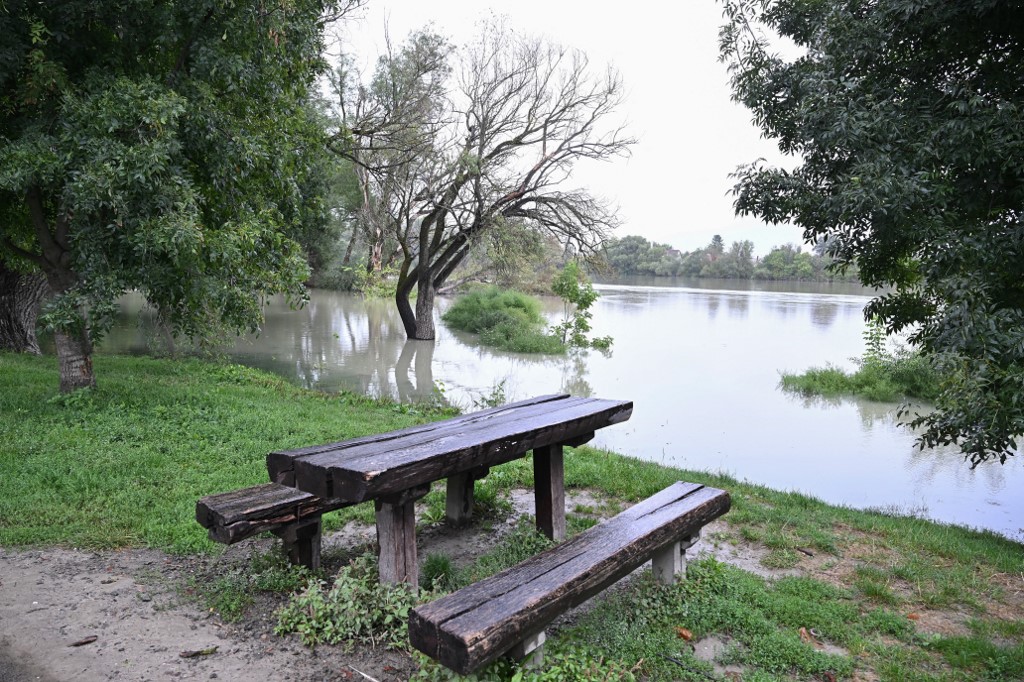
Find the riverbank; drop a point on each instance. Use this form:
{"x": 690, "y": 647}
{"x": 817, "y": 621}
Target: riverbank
{"x": 819, "y": 590}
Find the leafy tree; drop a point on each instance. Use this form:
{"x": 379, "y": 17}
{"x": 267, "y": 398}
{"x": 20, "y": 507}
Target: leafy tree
{"x": 578, "y": 295}
{"x": 786, "y": 262}
{"x": 164, "y": 147}
{"x": 450, "y": 159}
{"x": 907, "y": 117}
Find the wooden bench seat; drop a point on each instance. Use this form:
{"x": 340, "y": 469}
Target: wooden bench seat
{"x": 395, "y": 469}
{"x": 473, "y": 626}
{"x": 291, "y": 514}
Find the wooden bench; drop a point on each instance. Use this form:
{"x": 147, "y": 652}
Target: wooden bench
{"x": 507, "y": 613}
{"x": 397, "y": 468}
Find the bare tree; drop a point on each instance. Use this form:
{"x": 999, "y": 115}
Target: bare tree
{"x": 493, "y": 148}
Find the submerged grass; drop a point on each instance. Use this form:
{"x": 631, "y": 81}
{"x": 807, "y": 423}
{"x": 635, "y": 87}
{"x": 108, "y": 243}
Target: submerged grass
{"x": 124, "y": 465}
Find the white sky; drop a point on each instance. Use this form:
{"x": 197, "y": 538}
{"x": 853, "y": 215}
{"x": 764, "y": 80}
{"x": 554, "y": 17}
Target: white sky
{"x": 675, "y": 187}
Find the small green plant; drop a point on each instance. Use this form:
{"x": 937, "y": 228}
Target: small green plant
{"x": 438, "y": 573}
{"x": 578, "y": 295}
{"x": 358, "y": 608}
{"x": 495, "y": 398}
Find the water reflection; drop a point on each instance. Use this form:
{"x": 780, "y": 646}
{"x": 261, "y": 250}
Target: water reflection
{"x": 702, "y": 367}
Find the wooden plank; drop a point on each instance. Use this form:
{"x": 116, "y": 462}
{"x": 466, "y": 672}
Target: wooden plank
{"x": 239, "y": 514}
{"x": 549, "y": 491}
{"x": 382, "y": 470}
{"x": 480, "y": 622}
{"x": 281, "y": 464}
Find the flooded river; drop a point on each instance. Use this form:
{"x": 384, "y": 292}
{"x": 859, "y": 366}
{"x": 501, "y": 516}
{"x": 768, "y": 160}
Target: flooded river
{"x": 700, "y": 360}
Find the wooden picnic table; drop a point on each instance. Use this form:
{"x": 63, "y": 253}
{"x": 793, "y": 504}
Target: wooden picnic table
{"x": 397, "y": 468}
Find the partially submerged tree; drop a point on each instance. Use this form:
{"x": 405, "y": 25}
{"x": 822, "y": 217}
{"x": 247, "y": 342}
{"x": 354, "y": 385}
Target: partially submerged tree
{"x": 157, "y": 146}
{"x": 450, "y": 162}
{"x": 907, "y": 119}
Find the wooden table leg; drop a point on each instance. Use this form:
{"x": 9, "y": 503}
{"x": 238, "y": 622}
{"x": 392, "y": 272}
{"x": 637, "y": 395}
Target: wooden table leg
{"x": 302, "y": 542}
{"x": 458, "y": 507}
{"x": 396, "y": 535}
{"x": 549, "y": 490}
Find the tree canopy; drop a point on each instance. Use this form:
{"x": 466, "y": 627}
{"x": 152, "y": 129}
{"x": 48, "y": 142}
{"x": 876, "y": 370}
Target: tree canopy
{"x": 906, "y": 122}
{"x": 165, "y": 147}
{"x": 456, "y": 144}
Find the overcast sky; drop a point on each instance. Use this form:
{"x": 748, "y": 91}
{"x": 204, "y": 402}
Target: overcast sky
{"x": 675, "y": 186}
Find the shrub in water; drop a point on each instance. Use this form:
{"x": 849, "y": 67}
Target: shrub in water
{"x": 504, "y": 319}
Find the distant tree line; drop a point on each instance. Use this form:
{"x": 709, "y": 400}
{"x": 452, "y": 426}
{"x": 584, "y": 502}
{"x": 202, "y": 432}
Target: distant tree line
{"x": 635, "y": 255}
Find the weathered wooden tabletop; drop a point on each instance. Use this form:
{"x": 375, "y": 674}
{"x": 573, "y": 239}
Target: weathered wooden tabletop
{"x": 388, "y": 464}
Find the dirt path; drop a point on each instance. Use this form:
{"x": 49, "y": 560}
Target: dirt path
{"x": 129, "y": 602}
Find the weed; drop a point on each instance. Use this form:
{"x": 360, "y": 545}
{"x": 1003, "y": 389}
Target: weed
{"x": 439, "y": 574}
{"x": 357, "y": 608}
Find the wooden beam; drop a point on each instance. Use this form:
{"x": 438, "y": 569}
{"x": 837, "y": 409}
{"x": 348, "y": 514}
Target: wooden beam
{"x": 549, "y": 491}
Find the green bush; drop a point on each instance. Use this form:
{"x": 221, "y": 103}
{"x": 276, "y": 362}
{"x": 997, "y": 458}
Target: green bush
{"x": 504, "y": 319}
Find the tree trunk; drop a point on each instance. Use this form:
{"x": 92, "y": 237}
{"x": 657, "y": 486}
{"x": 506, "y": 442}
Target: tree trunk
{"x": 405, "y": 308}
{"x": 424, "y": 310}
{"x": 21, "y": 297}
{"x": 74, "y": 355}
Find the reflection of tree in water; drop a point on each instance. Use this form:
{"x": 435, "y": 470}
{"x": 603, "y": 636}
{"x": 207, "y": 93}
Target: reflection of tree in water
{"x": 418, "y": 355}
{"x": 738, "y": 305}
{"x": 823, "y": 314}
{"x": 928, "y": 464}
{"x": 574, "y": 373}
{"x": 713, "y": 302}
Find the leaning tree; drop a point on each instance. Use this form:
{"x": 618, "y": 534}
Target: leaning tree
{"x": 905, "y": 119}
{"x": 457, "y": 143}
{"x": 156, "y": 146}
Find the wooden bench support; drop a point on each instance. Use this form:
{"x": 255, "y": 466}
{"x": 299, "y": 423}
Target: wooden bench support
{"x": 473, "y": 626}
{"x": 458, "y": 508}
{"x": 396, "y": 535}
{"x": 530, "y": 650}
{"x": 549, "y": 491}
{"x": 669, "y": 564}
{"x": 301, "y": 542}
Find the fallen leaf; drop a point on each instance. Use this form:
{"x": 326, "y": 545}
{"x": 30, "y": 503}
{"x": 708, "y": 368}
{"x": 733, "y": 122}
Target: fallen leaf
{"x": 830, "y": 677}
{"x": 684, "y": 634}
{"x": 199, "y": 652}
{"x": 913, "y": 616}
{"x": 85, "y": 640}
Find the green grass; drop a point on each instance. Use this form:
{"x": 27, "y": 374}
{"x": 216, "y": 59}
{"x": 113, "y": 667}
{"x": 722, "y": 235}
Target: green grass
{"x": 124, "y": 465}
{"x": 504, "y": 319}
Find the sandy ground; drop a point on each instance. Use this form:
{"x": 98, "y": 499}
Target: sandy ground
{"x": 69, "y": 615}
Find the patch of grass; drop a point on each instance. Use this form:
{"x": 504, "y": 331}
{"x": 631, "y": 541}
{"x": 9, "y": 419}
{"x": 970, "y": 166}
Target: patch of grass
{"x": 504, "y": 319}
{"x": 882, "y": 375}
{"x": 120, "y": 466}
